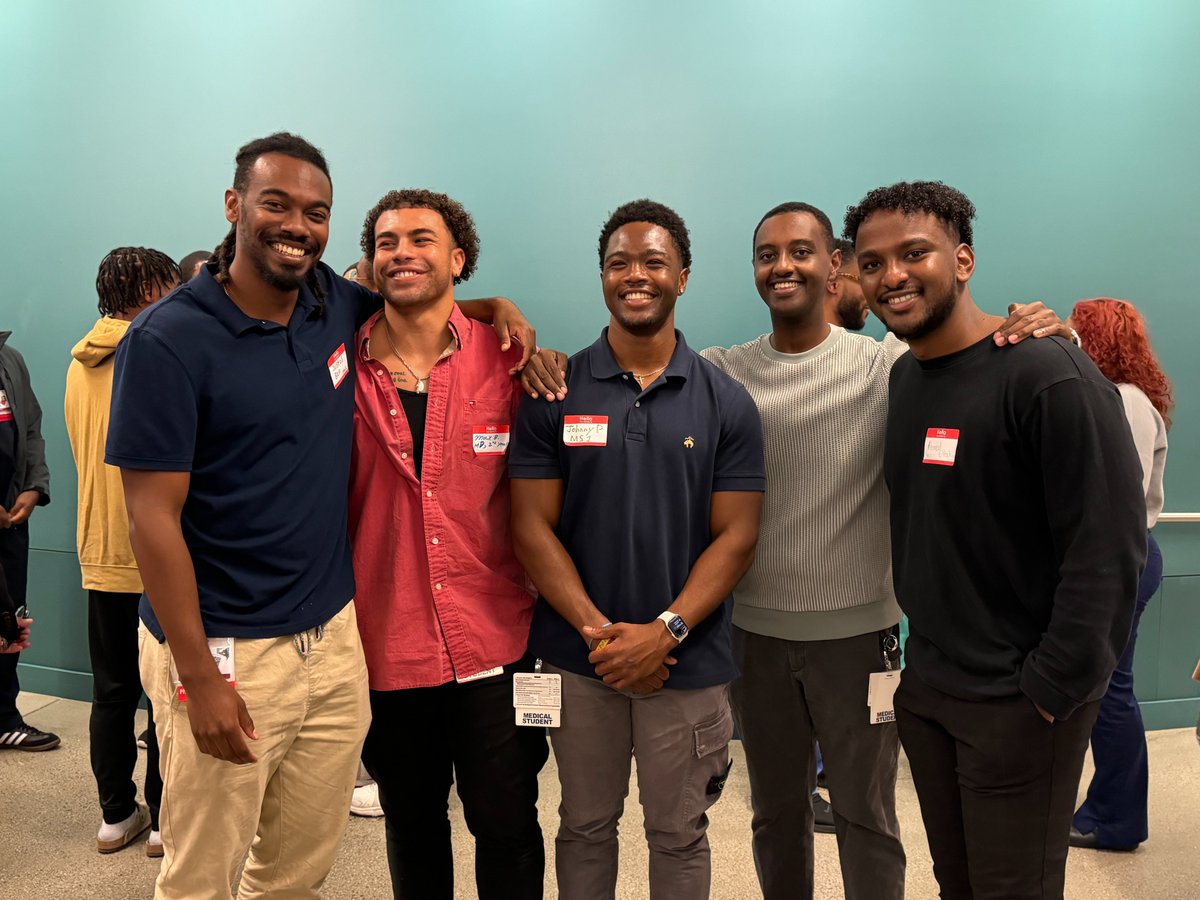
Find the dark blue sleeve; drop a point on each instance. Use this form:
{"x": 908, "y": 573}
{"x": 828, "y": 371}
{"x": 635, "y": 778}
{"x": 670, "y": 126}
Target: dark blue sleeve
{"x": 153, "y": 416}
{"x": 739, "y": 462}
{"x": 534, "y": 451}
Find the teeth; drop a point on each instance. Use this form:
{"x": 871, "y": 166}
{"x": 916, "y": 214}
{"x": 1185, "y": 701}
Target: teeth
{"x": 783, "y": 285}
{"x": 638, "y": 295}
{"x": 294, "y": 252}
{"x": 903, "y": 298}
{"x": 405, "y": 274}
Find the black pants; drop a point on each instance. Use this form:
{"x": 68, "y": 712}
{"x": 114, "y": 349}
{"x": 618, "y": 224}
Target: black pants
{"x": 420, "y": 741}
{"x": 14, "y": 568}
{"x": 997, "y": 786}
{"x": 116, "y": 690}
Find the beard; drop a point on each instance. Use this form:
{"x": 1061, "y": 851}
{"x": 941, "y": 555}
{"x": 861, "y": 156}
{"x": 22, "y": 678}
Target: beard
{"x": 851, "y": 315}
{"x": 938, "y": 307}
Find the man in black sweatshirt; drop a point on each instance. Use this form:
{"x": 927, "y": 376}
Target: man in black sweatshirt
{"x": 1018, "y": 534}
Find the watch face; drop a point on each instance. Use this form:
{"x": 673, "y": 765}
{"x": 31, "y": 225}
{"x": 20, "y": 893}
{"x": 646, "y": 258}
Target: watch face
{"x": 677, "y": 628}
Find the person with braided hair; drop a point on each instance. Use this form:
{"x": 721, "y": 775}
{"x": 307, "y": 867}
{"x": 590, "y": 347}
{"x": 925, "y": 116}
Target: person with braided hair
{"x": 129, "y": 280}
{"x": 232, "y": 423}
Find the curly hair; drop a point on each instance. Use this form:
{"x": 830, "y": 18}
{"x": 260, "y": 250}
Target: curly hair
{"x": 948, "y": 205}
{"x": 457, "y": 219}
{"x": 795, "y": 206}
{"x": 1113, "y": 333}
{"x": 655, "y": 214}
{"x": 289, "y": 145}
{"x": 128, "y": 274}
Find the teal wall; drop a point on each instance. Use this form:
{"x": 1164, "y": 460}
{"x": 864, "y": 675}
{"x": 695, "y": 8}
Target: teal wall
{"x": 1074, "y": 127}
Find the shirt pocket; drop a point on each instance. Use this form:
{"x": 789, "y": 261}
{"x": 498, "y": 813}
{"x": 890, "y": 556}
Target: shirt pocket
{"x": 486, "y": 431}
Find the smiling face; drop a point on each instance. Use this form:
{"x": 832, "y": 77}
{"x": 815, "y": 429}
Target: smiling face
{"x": 912, "y": 271}
{"x": 416, "y": 257}
{"x": 642, "y": 277}
{"x": 282, "y": 219}
{"x": 792, "y": 264}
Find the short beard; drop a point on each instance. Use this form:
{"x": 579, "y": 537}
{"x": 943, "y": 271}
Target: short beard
{"x": 850, "y": 315}
{"x": 280, "y": 281}
{"x": 939, "y": 311}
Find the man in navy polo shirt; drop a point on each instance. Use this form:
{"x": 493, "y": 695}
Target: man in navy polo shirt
{"x": 635, "y": 511}
{"x": 232, "y": 424}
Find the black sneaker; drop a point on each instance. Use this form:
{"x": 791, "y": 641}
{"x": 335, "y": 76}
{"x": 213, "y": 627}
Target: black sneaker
{"x": 26, "y": 737}
{"x": 822, "y": 815}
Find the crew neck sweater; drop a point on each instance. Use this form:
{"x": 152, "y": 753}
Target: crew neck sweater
{"x": 822, "y": 570}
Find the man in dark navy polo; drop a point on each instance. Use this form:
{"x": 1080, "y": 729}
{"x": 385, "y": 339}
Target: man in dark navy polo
{"x": 635, "y": 511}
{"x": 232, "y": 423}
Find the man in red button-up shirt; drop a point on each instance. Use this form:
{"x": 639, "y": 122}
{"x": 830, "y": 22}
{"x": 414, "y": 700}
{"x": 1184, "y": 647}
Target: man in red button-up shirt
{"x": 443, "y": 605}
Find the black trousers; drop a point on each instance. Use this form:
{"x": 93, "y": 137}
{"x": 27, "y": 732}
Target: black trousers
{"x": 116, "y": 691}
{"x": 997, "y": 786}
{"x": 422, "y": 740}
{"x": 14, "y": 568}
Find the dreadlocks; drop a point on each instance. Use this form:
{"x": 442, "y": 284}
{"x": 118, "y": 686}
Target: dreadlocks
{"x": 129, "y": 274}
{"x": 289, "y": 145}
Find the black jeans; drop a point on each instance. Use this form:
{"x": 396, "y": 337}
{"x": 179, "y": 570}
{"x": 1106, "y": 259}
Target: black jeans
{"x": 421, "y": 740}
{"x": 997, "y": 786}
{"x": 116, "y": 690}
{"x": 14, "y": 568}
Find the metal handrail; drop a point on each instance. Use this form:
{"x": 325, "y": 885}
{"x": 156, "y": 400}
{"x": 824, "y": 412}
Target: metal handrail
{"x": 1179, "y": 517}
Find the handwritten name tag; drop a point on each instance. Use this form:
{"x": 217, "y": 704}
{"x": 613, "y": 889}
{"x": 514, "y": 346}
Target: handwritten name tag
{"x": 489, "y": 440}
{"x": 585, "y": 431}
{"x": 941, "y": 446}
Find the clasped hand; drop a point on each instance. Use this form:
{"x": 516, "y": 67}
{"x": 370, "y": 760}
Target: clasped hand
{"x": 636, "y": 656}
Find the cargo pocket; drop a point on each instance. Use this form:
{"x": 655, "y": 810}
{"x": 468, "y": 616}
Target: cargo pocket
{"x": 709, "y": 766}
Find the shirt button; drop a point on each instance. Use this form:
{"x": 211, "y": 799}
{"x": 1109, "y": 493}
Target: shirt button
{"x": 404, "y": 456}
{"x": 379, "y": 372}
{"x": 434, "y": 541}
{"x": 438, "y": 586}
{"x": 624, "y": 377}
{"x": 392, "y": 411}
{"x": 429, "y": 493}
{"x": 637, "y": 402}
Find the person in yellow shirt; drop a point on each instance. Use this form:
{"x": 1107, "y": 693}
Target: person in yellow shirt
{"x": 130, "y": 279}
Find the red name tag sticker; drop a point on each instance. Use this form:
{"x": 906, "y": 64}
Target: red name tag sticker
{"x": 941, "y": 444}
{"x": 489, "y": 440}
{"x": 339, "y": 366}
{"x": 6, "y": 413}
{"x": 585, "y": 431}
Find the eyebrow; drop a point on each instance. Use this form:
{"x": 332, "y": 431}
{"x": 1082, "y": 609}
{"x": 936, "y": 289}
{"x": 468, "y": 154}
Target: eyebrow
{"x": 798, "y": 241}
{"x": 279, "y": 192}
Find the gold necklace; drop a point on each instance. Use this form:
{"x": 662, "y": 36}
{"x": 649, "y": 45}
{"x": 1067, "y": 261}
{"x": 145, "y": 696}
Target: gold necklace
{"x": 422, "y": 383}
{"x": 641, "y": 378}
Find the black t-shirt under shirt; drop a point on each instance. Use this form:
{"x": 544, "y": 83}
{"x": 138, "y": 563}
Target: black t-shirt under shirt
{"x": 415, "y": 406}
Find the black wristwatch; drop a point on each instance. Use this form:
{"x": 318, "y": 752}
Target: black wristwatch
{"x": 676, "y": 627}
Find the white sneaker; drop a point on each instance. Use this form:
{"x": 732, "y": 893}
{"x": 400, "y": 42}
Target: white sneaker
{"x": 154, "y": 847}
{"x": 365, "y": 801}
{"x": 111, "y": 838}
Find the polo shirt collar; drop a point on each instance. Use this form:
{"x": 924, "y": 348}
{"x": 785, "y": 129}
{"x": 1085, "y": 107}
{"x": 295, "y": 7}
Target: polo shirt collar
{"x": 604, "y": 365}
{"x": 211, "y": 297}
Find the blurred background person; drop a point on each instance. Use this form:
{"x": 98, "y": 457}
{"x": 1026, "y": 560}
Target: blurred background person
{"x": 1113, "y": 333}
{"x": 190, "y": 265}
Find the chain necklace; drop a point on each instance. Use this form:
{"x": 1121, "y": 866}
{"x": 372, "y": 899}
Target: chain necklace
{"x": 641, "y": 379}
{"x": 422, "y": 383}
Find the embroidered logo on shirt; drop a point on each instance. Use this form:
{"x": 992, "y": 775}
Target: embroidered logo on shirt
{"x": 689, "y": 442}
{"x": 941, "y": 445}
{"x": 585, "y": 431}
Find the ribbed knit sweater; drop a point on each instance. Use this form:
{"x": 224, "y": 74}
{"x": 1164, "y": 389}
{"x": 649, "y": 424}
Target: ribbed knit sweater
{"x": 823, "y": 568}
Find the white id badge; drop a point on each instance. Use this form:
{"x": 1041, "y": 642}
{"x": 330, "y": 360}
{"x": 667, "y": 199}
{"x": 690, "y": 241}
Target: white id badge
{"x": 479, "y": 676}
{"x": 880, "y": 691}
{"x": 222, "y": 654}
{"x": 537, "y": 699}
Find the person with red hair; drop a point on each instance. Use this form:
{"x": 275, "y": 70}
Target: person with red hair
{"x": 1113, "y": 334}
